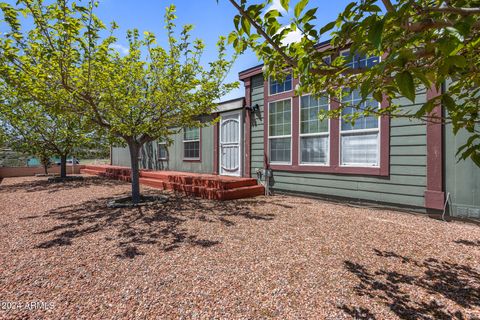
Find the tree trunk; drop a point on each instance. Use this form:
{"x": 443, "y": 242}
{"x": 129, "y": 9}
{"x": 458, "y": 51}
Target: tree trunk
{"x": 63, "y": 166}
{"x": 134, "y": 148}
{"x": 45, "y": 167}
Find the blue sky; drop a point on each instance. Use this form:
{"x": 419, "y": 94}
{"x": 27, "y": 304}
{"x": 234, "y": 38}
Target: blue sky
{"x": 209, "y": 18}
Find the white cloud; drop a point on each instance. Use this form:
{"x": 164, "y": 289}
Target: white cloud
{"x": 276, "y": 5}
{"x": 120, "y": 48}
{"x": 291, "y": 37}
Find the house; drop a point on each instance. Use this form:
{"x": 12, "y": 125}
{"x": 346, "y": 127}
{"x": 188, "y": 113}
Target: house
{"x": 399, "y": 162}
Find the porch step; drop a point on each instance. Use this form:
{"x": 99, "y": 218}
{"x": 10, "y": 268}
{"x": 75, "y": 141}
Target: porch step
{"x": 243, "y": 192}
{"x": 200, "y": 185}
{"x": 209, "y": 181}
{"x": 91, "y": 172}
{"x": 206, "y": 192}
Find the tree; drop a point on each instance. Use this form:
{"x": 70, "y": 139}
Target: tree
{"x": 45, "y": 159}
{"x": 3, "y": 137}
{"x": 40, "y": 130}
{"x": 143, "y": 96}
{"x": 422, "y": 44}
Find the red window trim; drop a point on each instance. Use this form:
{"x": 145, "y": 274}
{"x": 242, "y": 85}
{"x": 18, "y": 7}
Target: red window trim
{"x": 199, "y": 147}
{"x": 334, "y": 163}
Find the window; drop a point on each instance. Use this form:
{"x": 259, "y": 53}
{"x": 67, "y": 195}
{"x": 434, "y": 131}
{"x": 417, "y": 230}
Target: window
{"x": 359, "y": 61}
{"x": 360, "y": 141}
{"x": 314, "y": 134}
{"x": 280, "y": 131}
{"x": 191, "y": 144}
{"x": 279, "y": 87}
{"x": 162, "y": 151}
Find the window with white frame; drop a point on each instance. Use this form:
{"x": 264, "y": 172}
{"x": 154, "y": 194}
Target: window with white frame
{"x": 162, "y": 151}
{"x": 359, "y": 61}
{"x": 279, "y": 87}
{"x": 191, "y": 143}
{"x": 314, "y": 134}
{"x": 280, "y": 131}
{"x": 359, "y": 140}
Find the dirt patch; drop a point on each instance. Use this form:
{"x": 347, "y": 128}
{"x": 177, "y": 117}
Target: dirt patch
{"x": 279, "y": 257}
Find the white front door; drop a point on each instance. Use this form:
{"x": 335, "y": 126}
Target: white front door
{"x": 230, "y": 144}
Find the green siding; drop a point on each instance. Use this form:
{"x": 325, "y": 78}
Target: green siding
{"x": 407, "y": 180}
{"x": 256, "y": 134}
{"x": 149, "y": 155}
{"x": 120, "y": 157}
{"x": 462, "y": 178}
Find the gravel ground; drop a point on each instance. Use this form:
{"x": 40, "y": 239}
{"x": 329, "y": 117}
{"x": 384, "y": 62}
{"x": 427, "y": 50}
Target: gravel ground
{"x": 63, "y": 254}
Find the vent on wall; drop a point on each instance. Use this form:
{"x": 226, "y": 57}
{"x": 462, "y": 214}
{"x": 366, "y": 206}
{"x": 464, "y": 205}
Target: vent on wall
{"x": 468, "y": 212}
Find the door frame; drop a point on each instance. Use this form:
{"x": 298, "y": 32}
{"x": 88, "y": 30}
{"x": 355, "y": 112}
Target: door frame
{"x": 240, "y": 142}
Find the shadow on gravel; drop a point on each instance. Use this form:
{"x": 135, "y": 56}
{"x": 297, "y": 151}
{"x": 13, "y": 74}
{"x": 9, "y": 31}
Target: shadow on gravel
{"x": 43, "y": 185}
{"x": 160, "y": 225}
{"x": 470, "y": 243}
{"x": 455, "y": 282}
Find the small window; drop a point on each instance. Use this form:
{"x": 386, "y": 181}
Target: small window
{"x": 360, "y": 141}
{"x": 279, "y": 87}
{"x": 191, "y": 144}
{"x": 358, "y": 61}
{"x": 280, "y": 131}
{"x": 162, "y": 151}
{"x": 314, "y": 134}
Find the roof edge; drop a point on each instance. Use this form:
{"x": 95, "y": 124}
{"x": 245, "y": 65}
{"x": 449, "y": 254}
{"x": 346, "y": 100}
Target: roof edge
{"x": 247, "y": 73}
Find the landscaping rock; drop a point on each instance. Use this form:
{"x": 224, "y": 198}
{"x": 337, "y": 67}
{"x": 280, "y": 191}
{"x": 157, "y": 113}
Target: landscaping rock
{"x": 277, "y": 257}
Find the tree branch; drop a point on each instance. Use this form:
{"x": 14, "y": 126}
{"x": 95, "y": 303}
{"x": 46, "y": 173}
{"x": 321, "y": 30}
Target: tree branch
{"x": 425, "y": 25}
{"x": 388, "y": 5}
{"x": 277, "y": 48}
{"x": 460, "y": 11}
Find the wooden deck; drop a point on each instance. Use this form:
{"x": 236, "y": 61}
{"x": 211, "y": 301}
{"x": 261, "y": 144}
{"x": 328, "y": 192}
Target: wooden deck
{"x": 206, "y": 186}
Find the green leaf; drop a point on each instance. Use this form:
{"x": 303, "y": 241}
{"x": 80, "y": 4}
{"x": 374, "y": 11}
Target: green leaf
{"x": 236, "y": 22}
{"x": 458, "y": 61}
{"x": 376, "y": 32}
{"x": 454, "y": 32}
{"x": 448, "y": 102}
{"x": 285, "y": 4}
{"x": 406, "y": 85}
{"x": 329, "y": 26}
{"x": 299, "y": 8}
{"x": 245, "y": 25}
{"x": 231, "y": 37}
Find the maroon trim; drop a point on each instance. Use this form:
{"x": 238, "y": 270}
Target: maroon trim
{"x": 334, "y": 163}
{"x": 384, "y": 140}
{"x": 434, "y": 193}
{"x": 199, "y": 147}
{"x": 248, "y": 128}
{"x": 216, "y": 147}
{"x": 250, "y": 72}
{"x": 245, "y": 74}
{"x": 266, "y": 152}
{"x": 334, "y": 136}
